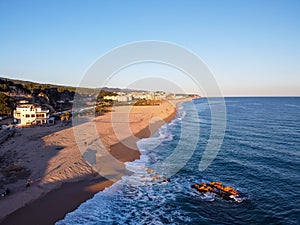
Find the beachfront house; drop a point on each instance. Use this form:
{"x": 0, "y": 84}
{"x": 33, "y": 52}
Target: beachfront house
{"x": 27, "y": 114}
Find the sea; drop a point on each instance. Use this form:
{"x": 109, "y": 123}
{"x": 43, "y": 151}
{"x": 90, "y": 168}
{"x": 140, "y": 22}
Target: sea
{"x": 259, "y": 156}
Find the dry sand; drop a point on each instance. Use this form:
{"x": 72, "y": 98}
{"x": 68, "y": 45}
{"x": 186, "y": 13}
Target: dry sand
{"x": 62, "y": 179}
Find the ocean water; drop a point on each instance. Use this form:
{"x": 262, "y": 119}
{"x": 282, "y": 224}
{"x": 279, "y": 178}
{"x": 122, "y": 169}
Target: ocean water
{"x": 259, "y": 156}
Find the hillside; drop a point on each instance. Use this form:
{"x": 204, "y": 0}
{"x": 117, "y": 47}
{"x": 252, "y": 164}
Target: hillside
{"x": 53, "y": 97}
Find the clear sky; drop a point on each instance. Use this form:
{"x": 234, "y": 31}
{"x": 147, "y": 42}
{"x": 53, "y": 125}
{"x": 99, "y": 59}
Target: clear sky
{"x": 252, "y": 47}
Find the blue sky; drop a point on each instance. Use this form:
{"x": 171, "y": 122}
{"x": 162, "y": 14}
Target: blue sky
{"x": 252, "y": 47}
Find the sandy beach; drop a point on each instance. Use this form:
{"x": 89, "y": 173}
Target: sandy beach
{"x": 62, "y": 179}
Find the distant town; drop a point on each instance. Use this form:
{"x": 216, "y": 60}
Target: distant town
{"x": 27, "y": 103}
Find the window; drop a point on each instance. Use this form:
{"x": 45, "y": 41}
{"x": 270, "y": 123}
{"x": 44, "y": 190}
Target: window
{"x": 40, "y": 115}
{"x": 33, "y": 115}
{"x": 27, "y": 115}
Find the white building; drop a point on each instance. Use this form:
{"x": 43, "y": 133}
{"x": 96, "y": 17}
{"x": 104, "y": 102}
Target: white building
{"x": 128, "y": 97}
{"x": 27, "y": 114}
{"x": 121, "y": 97}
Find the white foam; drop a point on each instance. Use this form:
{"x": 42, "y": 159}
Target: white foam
{"x": 139, "y": 198}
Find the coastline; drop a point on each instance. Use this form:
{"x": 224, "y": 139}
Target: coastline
{"x": 53, "y": 206}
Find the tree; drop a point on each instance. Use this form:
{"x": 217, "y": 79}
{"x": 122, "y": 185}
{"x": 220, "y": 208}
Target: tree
{"x": 103, "y": 93}
{"x": 5, "y": 108}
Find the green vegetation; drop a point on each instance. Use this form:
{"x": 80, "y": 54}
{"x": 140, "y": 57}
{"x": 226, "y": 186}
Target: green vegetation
{"x": 100, "y": 110}
{"x": 144, "y": 102}
{"x": 4, "y": 87}
{"x": 5, "y": 108}
{"x": 54, "y": 97}
{"x": 65, "y": 116}
{"x": 103, "y": 93}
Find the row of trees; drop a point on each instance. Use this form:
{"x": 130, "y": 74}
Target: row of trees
{"x": 147, "y": 102}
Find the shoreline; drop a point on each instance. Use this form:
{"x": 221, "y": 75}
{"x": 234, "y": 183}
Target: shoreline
{"x": 53, "y": 206}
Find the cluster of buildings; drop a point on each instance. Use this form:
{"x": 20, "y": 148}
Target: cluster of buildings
{"x": 133, "y": 96}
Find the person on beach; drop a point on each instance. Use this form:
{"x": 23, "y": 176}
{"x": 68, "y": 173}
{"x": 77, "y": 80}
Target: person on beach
{"x": 6, "y": 192}
{"x": 28, "y": 183}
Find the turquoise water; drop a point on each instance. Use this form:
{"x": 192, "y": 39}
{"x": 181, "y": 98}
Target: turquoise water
{"x": 260, "y": 156}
